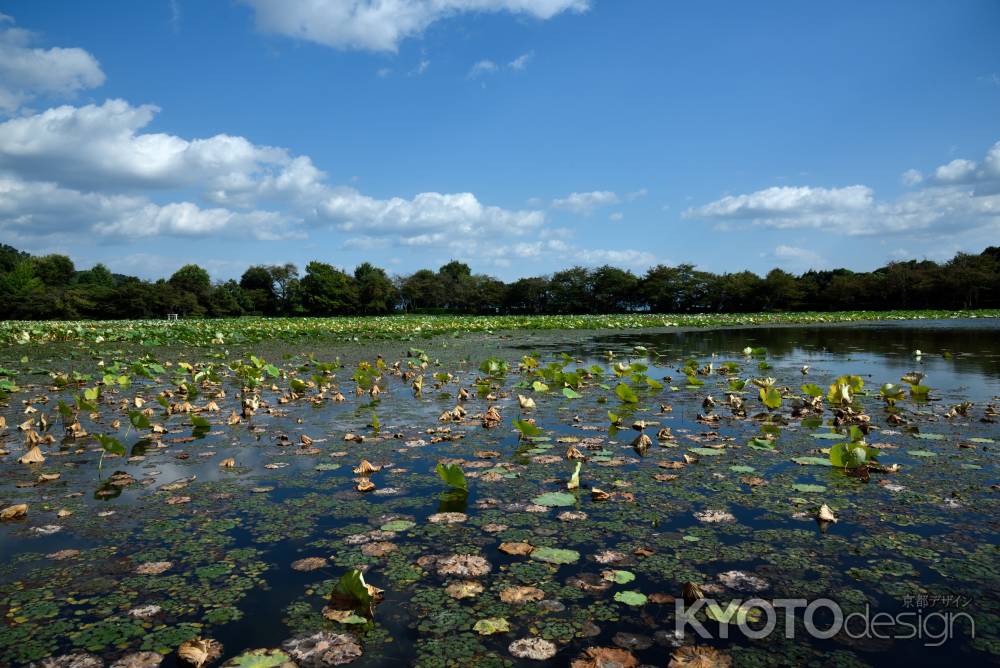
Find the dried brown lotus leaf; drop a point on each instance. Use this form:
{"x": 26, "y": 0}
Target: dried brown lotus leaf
{"x": 32, "y": 456}
{"x": 14, "y": 512}
{"x": 366, "y": 467}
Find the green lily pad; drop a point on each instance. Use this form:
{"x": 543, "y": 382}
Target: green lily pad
{"x": 259, "y": 658}
{"x": 812, "y": 461}
{"x": 398, "y": 525}
{"x": 742, "y": 469}
{"x": 808, "y": 487}
{"x": 921, "y": 453}
{"x": 555, "y": 555}
{"x": 622, "y": 577}
{"x": 553, "y": 499}
{"x": 491, "y": 625}
{"x": 930, "y": 437}
{"x": 829, "y": 435}
{"x": 707, "y": 452}
{"x": 631, "y": 597}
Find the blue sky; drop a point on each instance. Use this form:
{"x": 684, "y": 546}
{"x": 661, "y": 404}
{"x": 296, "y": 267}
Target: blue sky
{"x": 521, "y": 136}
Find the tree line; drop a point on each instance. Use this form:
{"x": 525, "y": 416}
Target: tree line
{"x": 51, "y": 287}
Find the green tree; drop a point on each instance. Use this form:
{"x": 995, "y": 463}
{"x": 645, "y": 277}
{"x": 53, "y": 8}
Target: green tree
{"x": 328, "y": 291}
{"x": 781, "y": 291}
{"x": 10, "y": 257}
{"x": 423, "y": 290}
{"x": 55, "y": 271}
{"x": 527, "y": 295}
{"x": 21, "y": 293}
{"x": 376, "y": 293}
{"x": 229, "y": 299}
{"x": 193, "y": 287}
{"x": 614, "y": 290}
{"x": 457, "y": 286}
{"x": 569, "y": 291}
{"x": 98, "y": 275}
{"x": 258, "y": 284}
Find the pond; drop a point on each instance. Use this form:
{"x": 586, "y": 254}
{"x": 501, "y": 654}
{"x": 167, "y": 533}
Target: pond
{"x": 235, "y": 510}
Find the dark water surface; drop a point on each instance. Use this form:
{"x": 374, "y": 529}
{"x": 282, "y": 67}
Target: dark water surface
{"x": 921, "y": 540}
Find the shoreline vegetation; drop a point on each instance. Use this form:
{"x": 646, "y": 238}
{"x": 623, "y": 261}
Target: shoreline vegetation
{"x": 229, "y": 331}
{"x": 50, "y": 287}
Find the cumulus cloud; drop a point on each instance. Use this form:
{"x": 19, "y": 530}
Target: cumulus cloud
{"x": 586, "y": 203}
{"x": 424, "y": 219}
{"x": 788, "y": 204}
{"x": 983, "y": 175}
{"x": 27, "y": 71}
{"x": 103, "y": 146}
{"x": 961, "y": 195}
{"x": 39, "y": 209}
{"x": 956, "y": 171}
{"x": 380, "y": 25}
{"x": 98, "y": 165}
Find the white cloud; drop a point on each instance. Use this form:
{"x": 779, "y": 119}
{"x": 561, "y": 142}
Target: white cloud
{"x": 792, "y": 204}
{"x": 427, "y": 218}
{"x": 799, "y": 258}
{"x": 911, "y": 177}
{"x": 101, "y": 146}
{"x": 586, "y": 203}
{"x": 97, "y": 160}
{"x": 616, "y": 216}
{"x": 383, "y": 72}
{"x": 27, "y": 72}
{"x": 380, "y": 25}
{"x": 41, "y": 209}
{"x": 962, "y": 195}
{"x": 521, "y": 62}
{"x": 956, "y": 171}
{"x": 481, "y": 68}
{"x": 983, "y": 175}
{"x": 421, "y": 67}
{"x": 630, "y": 258}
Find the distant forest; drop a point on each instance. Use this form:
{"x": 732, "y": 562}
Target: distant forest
{"x": 51, "y": 287}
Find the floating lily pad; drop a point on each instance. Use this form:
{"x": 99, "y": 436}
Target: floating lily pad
{"x": 491, "y": 625}
{"x": 554, "y": 499}
{"x": 812, "y": 461}
{"x": 555, "y": 555}
{"x": 808, "y": 488}
{"x": 633, "y": 598}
